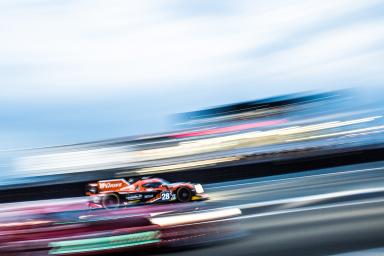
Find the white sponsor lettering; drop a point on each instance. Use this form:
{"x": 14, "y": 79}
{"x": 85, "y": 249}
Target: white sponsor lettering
{"x": 109, "y": 185}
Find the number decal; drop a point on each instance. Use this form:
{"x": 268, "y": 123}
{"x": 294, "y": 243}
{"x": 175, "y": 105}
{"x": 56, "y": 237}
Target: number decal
{"x": 166, "y": 196}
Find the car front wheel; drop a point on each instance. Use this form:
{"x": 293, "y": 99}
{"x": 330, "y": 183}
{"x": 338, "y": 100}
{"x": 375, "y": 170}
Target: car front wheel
{"x": 184, "y": 195}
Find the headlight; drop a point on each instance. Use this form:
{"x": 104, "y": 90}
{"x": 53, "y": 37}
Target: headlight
{"x": 199, "y": 189}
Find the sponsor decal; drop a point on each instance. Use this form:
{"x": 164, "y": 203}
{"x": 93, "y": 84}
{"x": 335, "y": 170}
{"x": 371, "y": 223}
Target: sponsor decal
{"x": 133, "y": 197}
{"x": 106, "y": 185}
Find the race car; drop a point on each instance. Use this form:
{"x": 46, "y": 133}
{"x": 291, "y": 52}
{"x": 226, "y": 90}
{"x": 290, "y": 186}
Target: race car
{"x": 121, "y": 192}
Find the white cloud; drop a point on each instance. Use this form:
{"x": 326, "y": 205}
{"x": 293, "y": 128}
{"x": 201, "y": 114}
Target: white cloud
{"x": 83, "y": 68}
{"x": 78, "y": 45}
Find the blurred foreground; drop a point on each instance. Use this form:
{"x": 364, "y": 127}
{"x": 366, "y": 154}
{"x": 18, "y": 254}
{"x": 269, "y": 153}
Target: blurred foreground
{"x": 322, "y": 212}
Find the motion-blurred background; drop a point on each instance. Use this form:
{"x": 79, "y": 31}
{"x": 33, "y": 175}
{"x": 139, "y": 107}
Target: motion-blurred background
{"x": 274, "y": 106}
{"x": 76, "y": 71}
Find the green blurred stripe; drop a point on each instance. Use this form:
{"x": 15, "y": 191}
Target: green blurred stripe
{"x": 103, "y": 243}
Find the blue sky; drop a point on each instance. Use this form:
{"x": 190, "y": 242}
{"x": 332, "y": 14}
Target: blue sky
{"x": 74, "y": 71}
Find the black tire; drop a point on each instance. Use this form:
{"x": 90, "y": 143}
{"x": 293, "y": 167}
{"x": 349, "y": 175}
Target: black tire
{"x": 184, "y": 195}
{"x": 111, "y": 201}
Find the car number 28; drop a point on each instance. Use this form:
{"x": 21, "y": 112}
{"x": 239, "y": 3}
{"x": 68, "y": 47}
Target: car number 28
{"x": 166, "y": 196}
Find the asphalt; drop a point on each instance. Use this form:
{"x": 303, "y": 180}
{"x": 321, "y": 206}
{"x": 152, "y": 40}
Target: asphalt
{"x": 324, "y": 212}
{"x": 319, "y": 212}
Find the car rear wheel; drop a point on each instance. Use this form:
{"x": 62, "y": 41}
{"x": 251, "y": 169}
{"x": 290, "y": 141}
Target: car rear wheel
{"x": 184, "y": 195}
{"x": 111, "y": 201}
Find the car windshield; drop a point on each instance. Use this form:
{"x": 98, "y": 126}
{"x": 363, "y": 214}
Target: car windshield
{"x": 132, "y": 180}
{"x": 152, "y": 185}
{"x": 164, "y": 182}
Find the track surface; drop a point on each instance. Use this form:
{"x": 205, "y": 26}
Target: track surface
{"x": 320, "y": 212}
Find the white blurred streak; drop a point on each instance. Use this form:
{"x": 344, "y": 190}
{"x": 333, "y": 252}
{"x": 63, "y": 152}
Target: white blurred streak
{"x": 189, "y": 165}
{"x": 104, "y": 158}
{"x": 195, "y": 217}
{"x": 73, "y": 161}
{"x": 356, "y": 132}
{"x": 311, "y": 198}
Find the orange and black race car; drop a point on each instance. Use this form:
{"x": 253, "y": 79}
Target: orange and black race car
{"x": 121, "y": 192}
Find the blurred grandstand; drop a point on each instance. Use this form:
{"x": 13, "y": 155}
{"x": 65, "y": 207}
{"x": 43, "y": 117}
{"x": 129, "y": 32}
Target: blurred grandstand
{"x": 296, "y": 132}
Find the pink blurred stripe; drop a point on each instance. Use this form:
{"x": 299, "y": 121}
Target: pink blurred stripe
{"x": 233, "y": 128}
